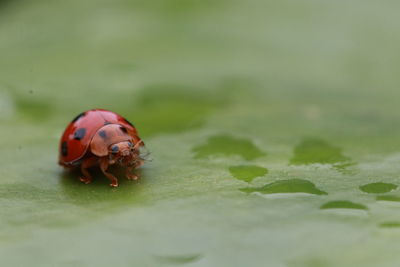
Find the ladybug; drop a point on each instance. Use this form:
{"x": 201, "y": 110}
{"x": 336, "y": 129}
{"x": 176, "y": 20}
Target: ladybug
{"x": 100, "y": 137}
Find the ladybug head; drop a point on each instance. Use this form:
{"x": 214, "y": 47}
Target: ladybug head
{"x": 122, "y": 149}
{"x": 124, "y": 152}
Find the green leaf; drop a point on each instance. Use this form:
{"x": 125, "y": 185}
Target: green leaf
{"x": 272, "y": 129}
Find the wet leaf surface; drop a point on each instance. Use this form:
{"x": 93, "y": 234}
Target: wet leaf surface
{"x": 272, "y": 129}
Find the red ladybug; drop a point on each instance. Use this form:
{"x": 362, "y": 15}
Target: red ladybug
{"x": 104, "y": 138}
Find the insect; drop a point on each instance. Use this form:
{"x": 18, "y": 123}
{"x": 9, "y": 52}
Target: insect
{"x": 103, "y": 138}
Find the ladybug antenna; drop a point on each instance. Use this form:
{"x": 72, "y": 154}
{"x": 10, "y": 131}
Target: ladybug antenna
{"x": 138, "y": 144}
{"x": 145, "y": 154}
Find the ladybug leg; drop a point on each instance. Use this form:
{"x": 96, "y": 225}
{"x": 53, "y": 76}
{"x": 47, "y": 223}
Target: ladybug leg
{"x": 87, "y": 163}
{"x": 129, "y": 175}
{"x": 129, "y": 169}
{"x": 104, "y": 166}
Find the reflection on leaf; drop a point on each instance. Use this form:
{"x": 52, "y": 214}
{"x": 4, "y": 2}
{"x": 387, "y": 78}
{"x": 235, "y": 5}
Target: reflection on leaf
{"x": 390, "y": 224}
{"x": 287, "y": 186}
{"x": 172, "y": 108}
{"x": 313, "y": 150}
{"x": 179, "y": 259}
{"x": 388, "y": 198}
{"x": 247, "y": 172}
{"x": 343, "y": 204}
{"x": 378, "y": 188}
{"x": 225, "y": 145}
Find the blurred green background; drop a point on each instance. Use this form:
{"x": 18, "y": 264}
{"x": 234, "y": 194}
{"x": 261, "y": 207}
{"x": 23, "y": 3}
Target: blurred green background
{"x": 272, "y": 126}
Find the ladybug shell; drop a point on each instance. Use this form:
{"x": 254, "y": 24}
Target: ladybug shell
{"x": 78, "y": 135}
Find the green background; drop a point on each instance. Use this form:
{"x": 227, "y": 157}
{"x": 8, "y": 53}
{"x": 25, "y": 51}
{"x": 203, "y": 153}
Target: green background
{"x": 272, "y": 126}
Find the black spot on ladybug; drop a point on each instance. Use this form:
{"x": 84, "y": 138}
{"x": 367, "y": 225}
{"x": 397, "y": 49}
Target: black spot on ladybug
{"x": 64, "y": 149}
{"x": 128, "y": 122}
{"x": 124, "y": 129}
{"x": 103, "y": 134}
{"x": 78, "y": 117}
{"x": 107, "y": 123}
{"x": 79, "y": 134}
{"x": 114, "y": 149}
